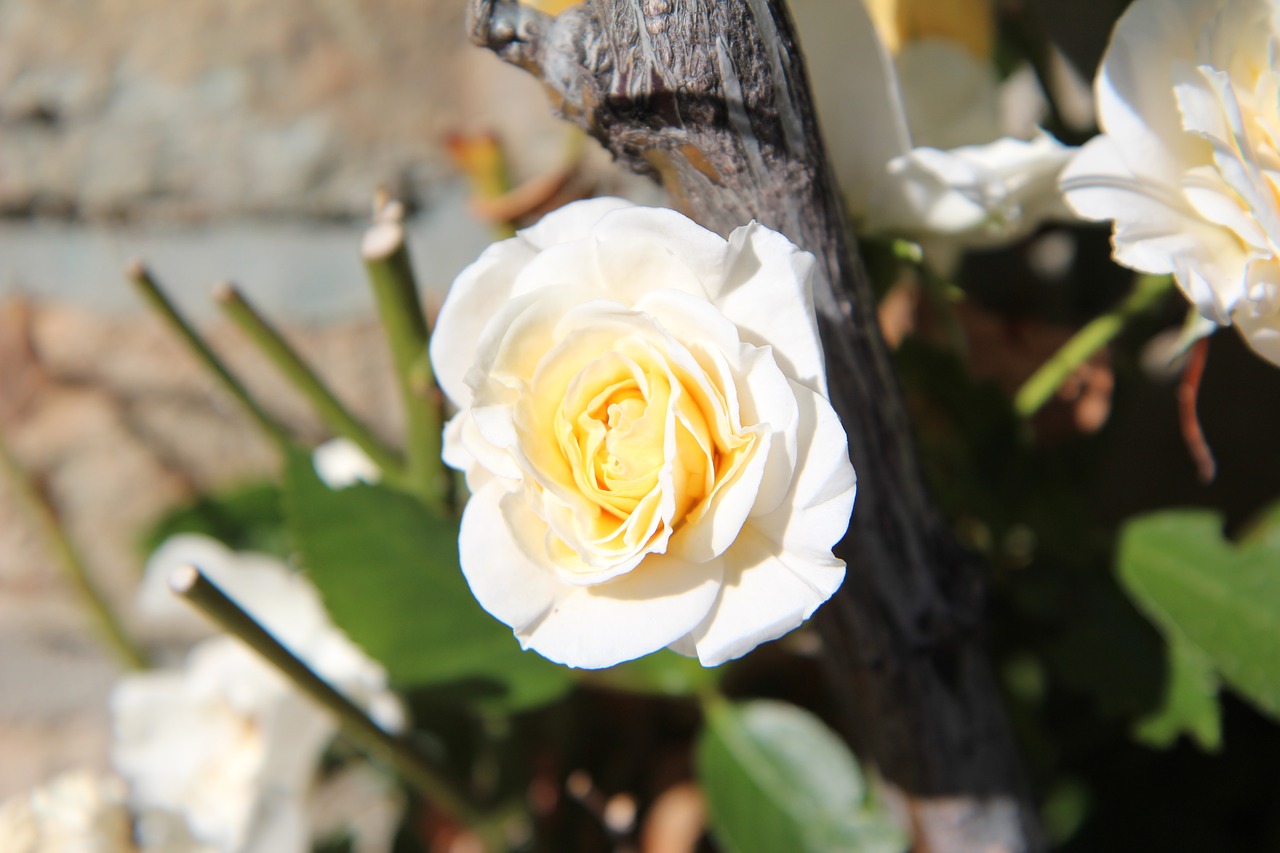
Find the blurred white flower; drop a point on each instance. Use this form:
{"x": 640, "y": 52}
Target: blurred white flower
{"x": 340, "y": 463}
{"x": 1188, "y": 164}
{"x": 78, "y": 812}
{"x": 645, "y": 430}
{"x": 227, "y": 742}
{"x": 916, "y": 139}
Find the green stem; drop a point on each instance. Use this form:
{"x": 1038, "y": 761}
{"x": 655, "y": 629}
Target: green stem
{"x": 386, "y": 260}
{"x": 151, "y": 292}
{"x": 1147, "y": 293}
{"x": 395, "y": 751}
{"x": 105, "y": 620}
{"x": 287, "y": 361}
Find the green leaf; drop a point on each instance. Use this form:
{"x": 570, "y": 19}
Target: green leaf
{"x": 777, "y": 779}
{"x": 663, "y": 673}
{"x": 388, "y": 571}
{"x": 1190, "y": 702}
{"x": 249, "y": 518}
{"x": 1218, "y": 605}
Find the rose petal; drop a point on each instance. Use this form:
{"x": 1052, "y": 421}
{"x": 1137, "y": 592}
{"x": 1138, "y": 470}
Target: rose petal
{"x": 855, "y": 88}
{"x": 634, "y": 614}
{"x": 815, "y": 514}
{"x": 475, "y": 297}
{"x": 652, "y": 247}
{"x": 497, "y": 533}
{"x": 1156, "y": 231}
{"x": 571, "y": 222}
{"x": 1135, "y": 100}
{"x": 767, "y": 293}
{"x": 763, "y": 597}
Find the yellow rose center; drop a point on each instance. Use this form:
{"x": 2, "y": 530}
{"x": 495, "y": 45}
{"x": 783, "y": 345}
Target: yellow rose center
{"x": 635, "y": 441}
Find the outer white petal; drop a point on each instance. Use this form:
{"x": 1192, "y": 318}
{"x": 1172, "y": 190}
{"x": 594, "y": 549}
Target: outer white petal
{"x": 815, "y": 515}
{"x": 762, "y": 598}
{"x": 571, "y": 222}
{"x": 1156, "y": 231}
{"x": 1135, "y": 97}
{"x": 951, "y": 98}
{"x": 856, "y": 92}
{"x": 475, "y": 296}
{"x": 983, "y": 193}
{"x": 768, "y": 294}
{"x": 641, "y": 249}
{"x": 498, "y": 532}
{"x": 1262, "y": 333}
{"x": 634, "y": 614}
{"x": 1258, "y": 319}
{"x": 781, "y": 568}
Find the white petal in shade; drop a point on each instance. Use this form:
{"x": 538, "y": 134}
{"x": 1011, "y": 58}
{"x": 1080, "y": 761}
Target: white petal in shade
{"x": 780, "y": 569}
{"x": 815, "y": 515}
{"x": 1259, "y": 318}
{"x": 570, "y": 223}
{"x": 1134, "y": 89}
{"x": 986, "y": 193}
{"x": 855, "y": 88}
{"x": 766, "y": 396}
{"x": 635, "y": 614}
{"x": 763, "y": 597}
{"x": 497, "y": 528}
{"x": 1156, "y": 229}
{"x": 475, "y": 297}
{"x": 951, "y": 98}
{"x": 767, "y": 293}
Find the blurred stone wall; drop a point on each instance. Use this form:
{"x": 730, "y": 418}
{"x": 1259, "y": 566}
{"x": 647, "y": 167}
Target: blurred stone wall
{"x": 219, "y": 138}
{"x": 208, "y": 108}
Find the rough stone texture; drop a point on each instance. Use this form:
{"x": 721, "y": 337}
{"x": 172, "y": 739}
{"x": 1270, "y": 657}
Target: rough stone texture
{"x": 141, "y": 108}
{"x": 119, "y": 423}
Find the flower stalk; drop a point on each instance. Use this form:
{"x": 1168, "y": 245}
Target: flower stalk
{"x": 395, "y": 291}
{"x": 149, "y": 289}
{"x": 105, "y": 620}
{"x": 1148, "y": 292}
{"x": 330, "y": 409}
{"x": 398, "y": 753}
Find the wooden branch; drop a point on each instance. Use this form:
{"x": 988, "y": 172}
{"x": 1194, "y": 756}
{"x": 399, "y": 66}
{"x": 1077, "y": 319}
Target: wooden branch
{"x": 710, "y": 98}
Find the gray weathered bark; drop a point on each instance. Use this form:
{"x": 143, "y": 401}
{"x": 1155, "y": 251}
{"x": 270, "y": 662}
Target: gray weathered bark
{"x": 711, "y": 99}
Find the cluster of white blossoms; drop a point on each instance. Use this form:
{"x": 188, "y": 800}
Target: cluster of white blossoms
{"x": 223, "y": 752}
{"x": 917, "y": 134}
{"x": 1188, "y": 163}
{"x": 644, "y": 426}
{"x": 78, "y": 812}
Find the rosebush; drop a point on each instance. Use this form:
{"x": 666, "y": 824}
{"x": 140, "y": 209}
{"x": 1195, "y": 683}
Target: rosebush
{"x": 644, "y": 427}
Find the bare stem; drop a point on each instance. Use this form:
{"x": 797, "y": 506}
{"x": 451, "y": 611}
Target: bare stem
{"x": 74, "y": 568}
{"x": 386, "y": 260}
{"x": 1044, "y": 383}
{"x": 155, "y": 297}
{"x": 395, "y": 751}
{"x": 302, "y": 377}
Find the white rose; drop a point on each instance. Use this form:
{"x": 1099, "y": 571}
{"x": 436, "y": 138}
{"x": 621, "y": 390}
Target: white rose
{"x": 1188, "y": 97}
{"x": 645, "y": 430}
{"x": 915, "y": 138}
{"x": 227, "y": 742}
